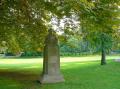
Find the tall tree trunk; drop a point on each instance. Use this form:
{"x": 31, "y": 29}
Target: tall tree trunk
{"x": 103, "y": 57}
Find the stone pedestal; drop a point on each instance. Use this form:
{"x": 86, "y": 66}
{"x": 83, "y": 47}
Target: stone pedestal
{"x": 51, "y": 62}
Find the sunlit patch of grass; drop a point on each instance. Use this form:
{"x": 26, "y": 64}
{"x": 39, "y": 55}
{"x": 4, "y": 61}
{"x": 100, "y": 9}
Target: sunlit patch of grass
{"x": 63, "y": 59}
{"x": 31, "y": 67}
{"x": 20, "y": 61}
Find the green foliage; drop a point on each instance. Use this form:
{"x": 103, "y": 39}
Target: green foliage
{"x": 27, "y": 21}
{"x": 98, "y": 24}
{"x": 31, "y": 54}
{"x": 13, "y": 49}
{"x": 75, "y": 47}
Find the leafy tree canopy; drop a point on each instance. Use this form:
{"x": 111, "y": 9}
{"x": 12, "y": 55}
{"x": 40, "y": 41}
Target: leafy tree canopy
{"x": 25, "y": 22}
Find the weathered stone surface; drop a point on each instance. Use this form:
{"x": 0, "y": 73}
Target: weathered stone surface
{"x": 51, "y": 63}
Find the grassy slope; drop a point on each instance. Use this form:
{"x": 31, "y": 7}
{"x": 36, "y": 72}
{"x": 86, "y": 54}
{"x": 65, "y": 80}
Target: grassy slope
{"x": 79, "y": 73}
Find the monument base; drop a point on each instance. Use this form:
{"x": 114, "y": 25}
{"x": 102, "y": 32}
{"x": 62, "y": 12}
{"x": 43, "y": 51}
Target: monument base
{"x": 51, "y": 79}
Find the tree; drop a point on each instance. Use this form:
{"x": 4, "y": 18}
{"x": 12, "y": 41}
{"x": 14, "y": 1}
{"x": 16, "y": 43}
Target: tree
{"x": 23, "y": 19}
{"x": 98, "y": 26}
{"x": 99, "y": 21}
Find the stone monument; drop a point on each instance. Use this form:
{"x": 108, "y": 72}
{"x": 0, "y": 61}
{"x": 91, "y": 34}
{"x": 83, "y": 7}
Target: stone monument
{"x": 51, "y": 62}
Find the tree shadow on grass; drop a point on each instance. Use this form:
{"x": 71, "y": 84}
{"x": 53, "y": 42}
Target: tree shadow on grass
{"x": 18, "y": 80}
{"x": 18, "y": 75}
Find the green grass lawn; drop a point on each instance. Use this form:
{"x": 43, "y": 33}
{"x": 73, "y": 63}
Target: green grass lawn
{"x": 79, "y": 73}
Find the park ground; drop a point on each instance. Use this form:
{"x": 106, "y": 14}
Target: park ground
{"x": 79, "y": 73}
